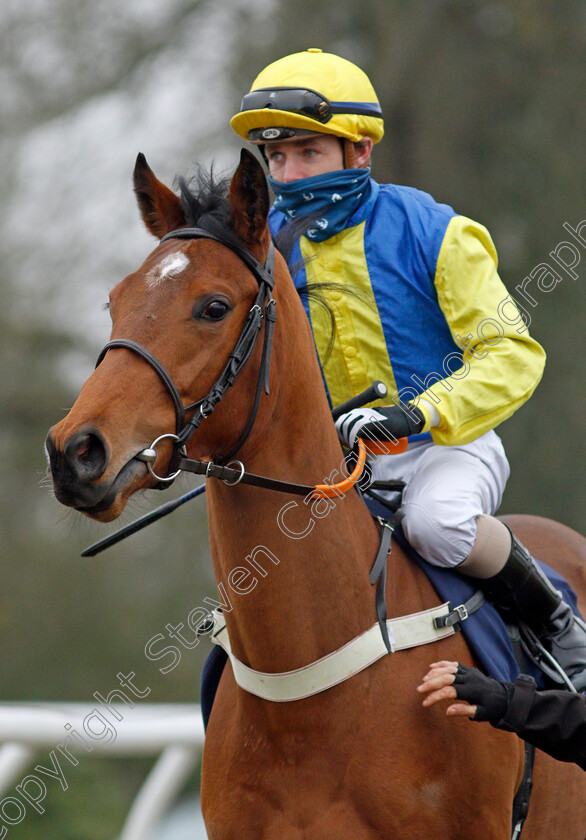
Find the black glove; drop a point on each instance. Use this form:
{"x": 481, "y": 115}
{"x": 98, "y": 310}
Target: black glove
{"x": 490, "y": 697}
{"x": 400, "y": 421}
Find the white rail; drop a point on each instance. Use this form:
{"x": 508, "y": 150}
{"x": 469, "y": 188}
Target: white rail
{"x": 172, "y": 731}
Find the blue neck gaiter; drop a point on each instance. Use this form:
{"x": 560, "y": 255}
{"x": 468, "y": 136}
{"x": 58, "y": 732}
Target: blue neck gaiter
{"x": 329, "y": 200}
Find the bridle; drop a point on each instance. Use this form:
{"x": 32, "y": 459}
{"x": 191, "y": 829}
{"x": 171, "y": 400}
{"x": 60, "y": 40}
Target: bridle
{"x": 263, "y": 308}
{"x": 229, "y": 471}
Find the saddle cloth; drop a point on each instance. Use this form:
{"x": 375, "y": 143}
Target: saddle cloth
{"x": 485, "y": 631}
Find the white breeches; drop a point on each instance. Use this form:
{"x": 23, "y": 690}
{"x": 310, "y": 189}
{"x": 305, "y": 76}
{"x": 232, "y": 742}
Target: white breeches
{"x": 448, "y": 487}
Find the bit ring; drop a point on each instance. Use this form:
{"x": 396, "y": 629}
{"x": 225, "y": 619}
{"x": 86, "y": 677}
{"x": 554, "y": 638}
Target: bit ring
{"x": 149, "y": 456}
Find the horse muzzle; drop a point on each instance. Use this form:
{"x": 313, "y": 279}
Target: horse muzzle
{"x": 76, "y": 468}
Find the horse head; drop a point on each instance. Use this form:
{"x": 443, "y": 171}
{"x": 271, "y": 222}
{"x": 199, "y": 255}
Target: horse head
{"x": 186, "y": 306}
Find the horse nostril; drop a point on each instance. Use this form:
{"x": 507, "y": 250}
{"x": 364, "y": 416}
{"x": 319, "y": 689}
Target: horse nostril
{"x": 86, "y": 455}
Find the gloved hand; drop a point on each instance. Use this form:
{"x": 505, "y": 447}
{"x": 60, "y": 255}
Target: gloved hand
{"x": 379, "y": 423}
{"x": 452, "y": 680}
{"x": 490, "y": 697}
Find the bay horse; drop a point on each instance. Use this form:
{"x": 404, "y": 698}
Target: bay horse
{"x": 363, "y": 760}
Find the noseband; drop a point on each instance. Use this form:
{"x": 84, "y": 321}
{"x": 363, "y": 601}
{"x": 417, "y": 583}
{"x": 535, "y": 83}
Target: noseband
{"x": 263, "y": 308}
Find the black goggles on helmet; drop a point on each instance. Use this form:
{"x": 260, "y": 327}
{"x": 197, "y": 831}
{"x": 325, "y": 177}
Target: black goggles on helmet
{"x": 307, "y": 102}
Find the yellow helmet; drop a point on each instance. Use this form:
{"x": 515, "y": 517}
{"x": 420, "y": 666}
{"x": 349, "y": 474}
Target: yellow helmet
{"x": 308, "y": 92}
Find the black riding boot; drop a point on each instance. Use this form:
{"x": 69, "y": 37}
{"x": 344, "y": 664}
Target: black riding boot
{"x": 523, "y": 590}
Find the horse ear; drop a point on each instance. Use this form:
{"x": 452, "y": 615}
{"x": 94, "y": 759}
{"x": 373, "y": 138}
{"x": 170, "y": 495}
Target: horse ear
{"x": 160, "y": 208}
{"x": 249, "y": 199}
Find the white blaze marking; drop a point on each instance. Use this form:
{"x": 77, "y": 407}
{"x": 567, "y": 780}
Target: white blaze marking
{"x": 167, "y": 269}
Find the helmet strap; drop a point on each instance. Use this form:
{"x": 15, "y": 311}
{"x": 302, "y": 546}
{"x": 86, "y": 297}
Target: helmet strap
{"x": 348, "y": 152}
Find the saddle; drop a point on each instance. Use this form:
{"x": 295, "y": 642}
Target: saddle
{"x": 501, "y": 649}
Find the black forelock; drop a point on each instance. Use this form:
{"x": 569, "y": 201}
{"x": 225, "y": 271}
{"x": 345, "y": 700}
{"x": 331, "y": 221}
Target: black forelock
{"x": 205, "y": 194}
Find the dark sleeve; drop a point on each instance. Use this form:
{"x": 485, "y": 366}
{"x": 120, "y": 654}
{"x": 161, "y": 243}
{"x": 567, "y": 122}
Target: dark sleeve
{"x": 553, "y": 721}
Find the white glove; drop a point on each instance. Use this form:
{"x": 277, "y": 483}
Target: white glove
{"x": 349, "y": 425}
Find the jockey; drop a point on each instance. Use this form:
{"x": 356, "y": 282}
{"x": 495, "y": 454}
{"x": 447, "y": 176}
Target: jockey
{"x": 426, "y": 313}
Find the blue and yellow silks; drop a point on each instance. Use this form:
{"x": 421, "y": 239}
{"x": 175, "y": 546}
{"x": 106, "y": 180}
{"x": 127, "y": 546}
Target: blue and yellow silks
{"x": 431, "y": 317}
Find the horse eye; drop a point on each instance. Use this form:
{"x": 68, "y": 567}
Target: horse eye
{"x": 215, "y": 310}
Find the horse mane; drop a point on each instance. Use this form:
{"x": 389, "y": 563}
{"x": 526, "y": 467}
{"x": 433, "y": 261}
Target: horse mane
{"x": 204, "y": 199}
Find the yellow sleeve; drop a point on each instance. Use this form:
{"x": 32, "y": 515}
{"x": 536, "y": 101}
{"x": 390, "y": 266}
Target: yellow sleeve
{"x": 502, "y": 363}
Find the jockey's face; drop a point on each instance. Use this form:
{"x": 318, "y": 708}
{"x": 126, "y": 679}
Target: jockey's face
{"x": 295, "y": 159}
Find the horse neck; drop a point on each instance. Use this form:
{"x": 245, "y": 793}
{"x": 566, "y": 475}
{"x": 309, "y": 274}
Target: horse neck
{"x": 304, "y": 565}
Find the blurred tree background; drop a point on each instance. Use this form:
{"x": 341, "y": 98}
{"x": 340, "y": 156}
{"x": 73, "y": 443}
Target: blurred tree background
{"x": 484, "y": 106}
